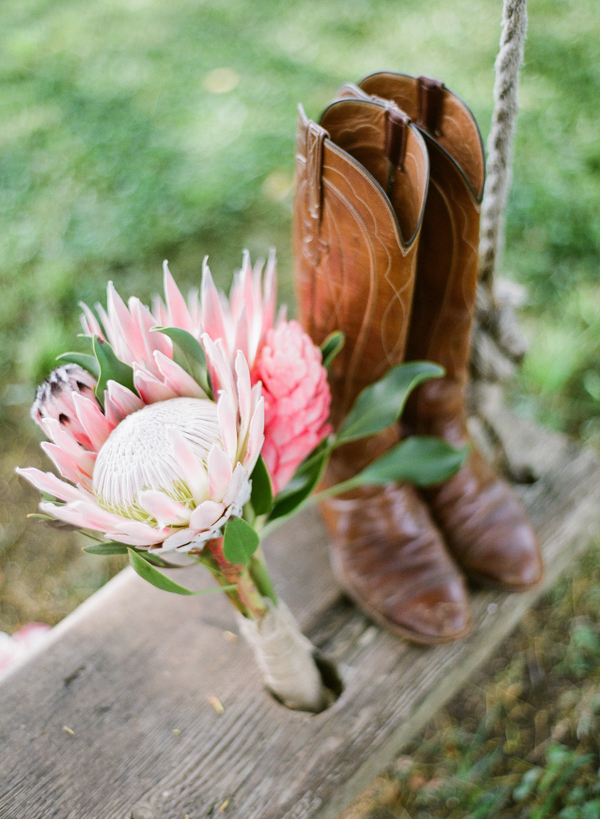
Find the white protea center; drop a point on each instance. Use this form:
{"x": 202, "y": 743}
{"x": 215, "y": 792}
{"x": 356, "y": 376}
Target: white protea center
{"x": 139, "y": 454}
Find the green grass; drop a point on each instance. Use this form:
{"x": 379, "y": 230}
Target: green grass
{"x": 116, "y": 152}
{"x": 521, "y": 741}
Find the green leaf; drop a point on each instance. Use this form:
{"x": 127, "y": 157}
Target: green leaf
{"x": 193, "y": 352}
{"x": 111, "y": 369}
{"x": 332, "y": 346}
{"x": 262, "y": 492}
{"x": 304, "y": 480}
{"x": 423, "y": 460}
{"x": 240, "y": 541}
{"x": 158, "y": 579}
{"x": 88, "y": 362}
{"x": 381, "y": 404}
{"x": 106, "y": 549}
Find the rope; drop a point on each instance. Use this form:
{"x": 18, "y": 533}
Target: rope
{"x": 508, "y": 64}
{"x": 497, "y": 340}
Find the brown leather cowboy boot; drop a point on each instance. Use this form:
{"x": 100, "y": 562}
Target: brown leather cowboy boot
{"x": 355, "y": 257}
{"x": 484, "y": 524}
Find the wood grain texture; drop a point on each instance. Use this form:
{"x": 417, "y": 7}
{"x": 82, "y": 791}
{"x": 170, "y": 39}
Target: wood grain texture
{"x": 130, "y": 674}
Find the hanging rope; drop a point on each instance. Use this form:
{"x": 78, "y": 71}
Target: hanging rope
{"x": 500, "y": 142}
{"x": 498, "y": 343}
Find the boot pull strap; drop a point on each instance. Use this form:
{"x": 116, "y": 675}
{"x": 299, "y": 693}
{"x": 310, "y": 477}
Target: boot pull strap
{"x": 315, "y": 136}
{"x": 396, "y": 135}
{"x": 431, "y": 98}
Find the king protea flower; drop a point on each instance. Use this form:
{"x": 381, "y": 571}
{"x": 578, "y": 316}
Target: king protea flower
{"x": 162, "y": 472}
{"x": 165, "y": 465}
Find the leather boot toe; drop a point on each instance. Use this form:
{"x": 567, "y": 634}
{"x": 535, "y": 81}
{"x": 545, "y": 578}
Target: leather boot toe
{"x": 390, "y": 559}
{"x": 487, "y": 529}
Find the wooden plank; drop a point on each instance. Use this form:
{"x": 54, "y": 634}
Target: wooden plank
{"x": 129, "y": 674}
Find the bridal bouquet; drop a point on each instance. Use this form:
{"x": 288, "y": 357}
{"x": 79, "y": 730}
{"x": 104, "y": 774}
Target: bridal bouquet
{"x": 197, "y": 427}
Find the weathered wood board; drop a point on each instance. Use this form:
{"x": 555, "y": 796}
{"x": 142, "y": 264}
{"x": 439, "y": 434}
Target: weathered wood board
{"x": 112, "y": 719}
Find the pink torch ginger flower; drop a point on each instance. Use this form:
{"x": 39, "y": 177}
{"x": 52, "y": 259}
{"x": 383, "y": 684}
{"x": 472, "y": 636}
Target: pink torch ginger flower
{"x": 297, "y": 399}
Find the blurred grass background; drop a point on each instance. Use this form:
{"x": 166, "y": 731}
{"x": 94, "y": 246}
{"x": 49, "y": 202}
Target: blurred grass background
{"x": 137, "y": 130}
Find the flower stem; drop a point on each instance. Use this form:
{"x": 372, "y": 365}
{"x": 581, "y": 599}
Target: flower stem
{"x": 260, "y": 575}
{"x": 247, "y": 599}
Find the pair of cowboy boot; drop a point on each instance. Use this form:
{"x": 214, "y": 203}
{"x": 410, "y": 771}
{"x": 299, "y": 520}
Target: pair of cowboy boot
{"x": 386, "y": 232}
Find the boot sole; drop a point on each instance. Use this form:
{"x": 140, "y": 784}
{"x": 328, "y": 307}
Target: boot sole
{"x": 490, "y": 583}
{"x": 389, "y": 625}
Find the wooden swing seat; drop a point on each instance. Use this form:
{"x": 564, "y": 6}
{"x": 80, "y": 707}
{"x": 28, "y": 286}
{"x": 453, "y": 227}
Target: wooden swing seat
{"x": 144, "y": 705}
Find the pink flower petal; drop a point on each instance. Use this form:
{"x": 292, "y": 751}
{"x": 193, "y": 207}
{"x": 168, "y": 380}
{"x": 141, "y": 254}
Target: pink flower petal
{"x": 192, "y": 468}
{"x": 180, "y": 538}
{"x": 150, "y": 388}
{"x": 212, "y": 315}
{"x": 219, "y": 366}
{"x": 49, "y": 483}
{"x": 179, "y": 315}
{"x": 89, "y": 322}
{"x": 126, "y": 401}
{"x": 93, "y": 420}
{"x": 228, "y": 424}
{"x": 235, "y": 484}
{"x": 83, "y": 459}
{"x": 255, "y": 436}
{"x": 206, "y": 515}
{"x": 177, "y": 379}
{"x": 127, "y": 335}
{"x": 219, "y": 472}
{"x": 244, "y": 393}
{"x": 65, "y": 465}
{"x": 168, "y": 512}
{"x": 159, "y": 311}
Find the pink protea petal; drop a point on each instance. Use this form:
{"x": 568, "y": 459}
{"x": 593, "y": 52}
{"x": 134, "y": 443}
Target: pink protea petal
{"x": 128, "y": 337}
{"x": 212, "y": 314}
{"x": 219, "y": 472}
{"x": 192, "y": 469}
{"x": 89, "y": 322}
{"x": 65, "y": 465}
{"x": 219, "y": 365}
{"x": 206, "y": 515}
{"x": 255, "y": 436}
{"x": 244, "y": 391}
{"x": 153, "y": 341}
{"x": 74, "y": 514}
{"x": 168, "y": 512}
{"x": 240, "y": 475}
{"x": 145, "y": 534}
{"x": 83, "y": 459}
{"x": 159, "y": 311}
{"x": 49, "y": 483}
{"x": 176, "y": 378}
{"x": 178, "y": 313}
{"x": 93, "y": 420}
{"x": 228, "y": 424}
{"x": 195, "y": 309}
{"x": 150, "y": 388}
{"x": 181, "y": 538}
{"x": 123, "y": 399}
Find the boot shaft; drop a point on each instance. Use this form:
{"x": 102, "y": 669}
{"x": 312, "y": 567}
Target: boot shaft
{"x": 354, "y": 253}
{"x": 447, "y": 268}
